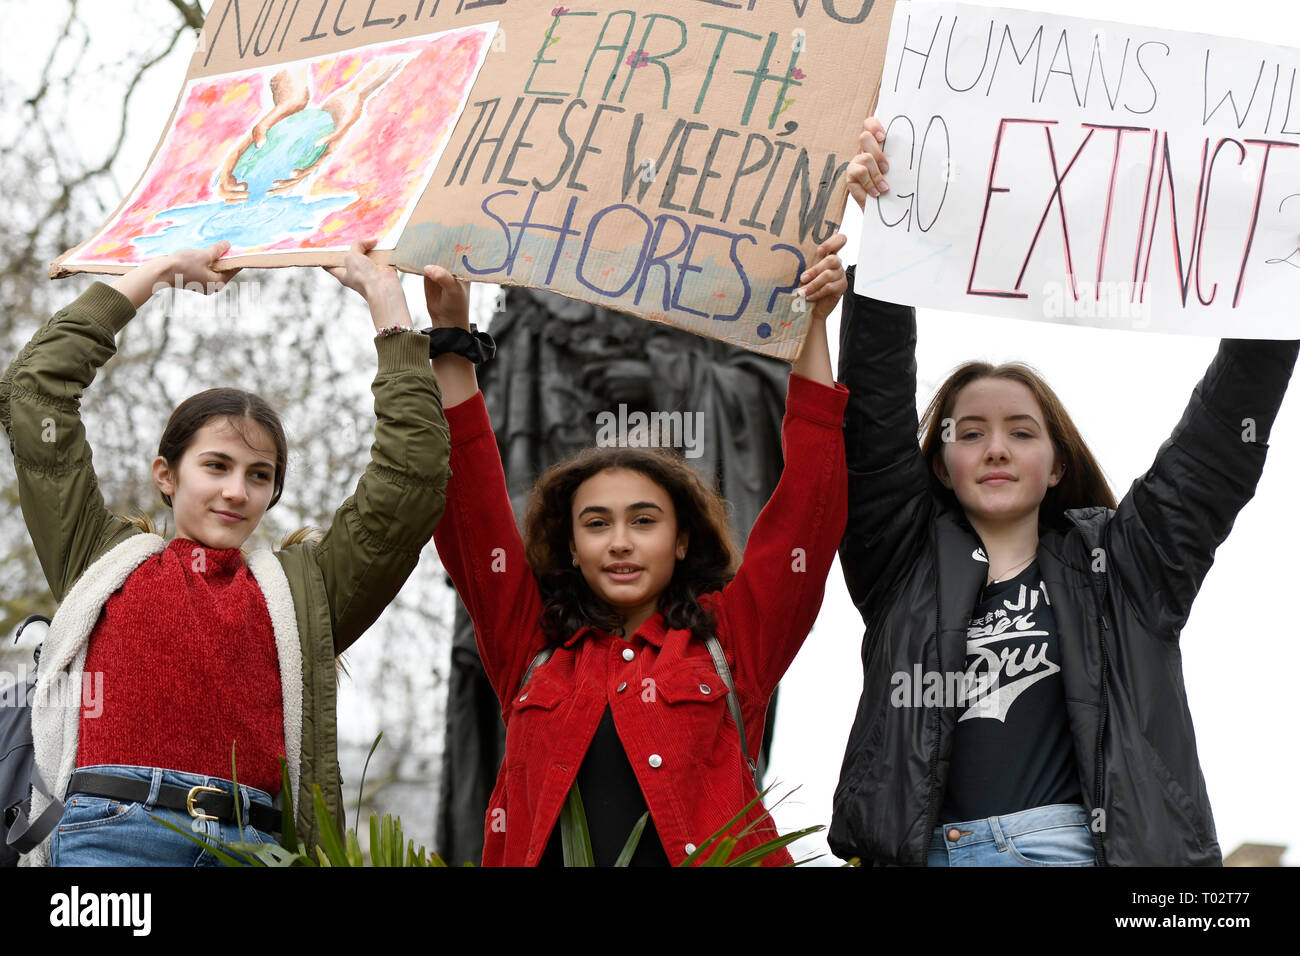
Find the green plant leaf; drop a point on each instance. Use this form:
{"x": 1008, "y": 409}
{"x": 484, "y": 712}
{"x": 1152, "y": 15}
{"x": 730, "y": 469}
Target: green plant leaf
{"x": 752, "y": 857}
{"x": 722, "y": 831}
{"x": 376, "y": 851}
{"x": 763, "y": 850}
{"x": 767, "y": 811}
{"x": 721, "y": 850}
{"x": 387, "y": 839}
{"x": 362, "y": 788}
{"x": 211, "y": 845}
{"x": 329, "y": 833}
{"x": 575, "y": 838}
{"x": 272, "y": 854}
{"x": 288, "y": 822}
{"x": 353, "y": 849}
{"x": 238, "y": 797}
{"x": 634, "y": 838}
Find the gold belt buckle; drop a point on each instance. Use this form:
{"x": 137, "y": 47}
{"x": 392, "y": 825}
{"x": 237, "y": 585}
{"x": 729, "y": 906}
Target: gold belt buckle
{"x": 198, "y": 812}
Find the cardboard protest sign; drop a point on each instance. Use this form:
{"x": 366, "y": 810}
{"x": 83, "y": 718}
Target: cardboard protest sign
{"x": 307, "y": 155}
{"x": 1090, "y": 173}
{"x": 680, "y": 162}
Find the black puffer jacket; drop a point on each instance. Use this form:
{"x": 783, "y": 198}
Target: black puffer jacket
{"x": 1121, "y": 585}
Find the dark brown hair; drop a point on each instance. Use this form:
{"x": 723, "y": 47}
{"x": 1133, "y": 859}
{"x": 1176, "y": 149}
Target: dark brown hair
{"x": 1082, "y": 485}
{"x": 569, "y": 603}
{"x": 237, "y": 407}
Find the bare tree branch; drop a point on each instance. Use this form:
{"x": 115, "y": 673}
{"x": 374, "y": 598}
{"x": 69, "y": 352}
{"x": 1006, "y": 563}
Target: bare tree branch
{"x": 190, "y": 12}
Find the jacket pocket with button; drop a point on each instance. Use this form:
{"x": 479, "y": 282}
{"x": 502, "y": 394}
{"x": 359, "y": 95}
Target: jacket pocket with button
{"x": 692, "y": 684}
{"x": 533, "y": 717}
{"x": 87, "y": 811}
{"x": 690, "y": 701}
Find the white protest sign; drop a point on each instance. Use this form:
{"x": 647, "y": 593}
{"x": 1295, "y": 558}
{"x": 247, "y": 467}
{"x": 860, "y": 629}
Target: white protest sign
{"x": 1091, "y": 173}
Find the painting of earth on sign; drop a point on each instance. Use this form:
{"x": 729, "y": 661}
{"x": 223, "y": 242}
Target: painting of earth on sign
{"x": 307, "y": 155}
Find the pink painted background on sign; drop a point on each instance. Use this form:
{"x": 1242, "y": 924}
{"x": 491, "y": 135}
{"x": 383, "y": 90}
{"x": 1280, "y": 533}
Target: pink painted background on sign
{"x": 385, "y": 159}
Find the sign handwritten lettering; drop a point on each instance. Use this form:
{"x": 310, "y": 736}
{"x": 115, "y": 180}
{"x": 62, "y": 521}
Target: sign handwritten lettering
{"x": 1102, "y": 174}
{"x": 680, "y": 161}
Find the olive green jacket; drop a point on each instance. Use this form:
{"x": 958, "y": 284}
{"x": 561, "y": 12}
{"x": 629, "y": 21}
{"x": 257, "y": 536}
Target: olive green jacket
{"x": 322, "y": 595}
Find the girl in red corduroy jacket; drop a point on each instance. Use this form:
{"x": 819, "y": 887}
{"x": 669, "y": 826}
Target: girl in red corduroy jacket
{"x": 624, "y": 569}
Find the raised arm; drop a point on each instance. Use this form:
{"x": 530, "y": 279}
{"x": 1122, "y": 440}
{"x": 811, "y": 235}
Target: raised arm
{"x": 40, "y": 408}
{"x": 771, "y": 604}
{"x": 375, "y": 537}
{"x": 889, "y": 499}
{"x": 1162, "y": 540}
{"x": 478, "y": 540}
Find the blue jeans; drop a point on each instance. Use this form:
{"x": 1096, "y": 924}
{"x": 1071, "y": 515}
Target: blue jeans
{"x": 98, "y": 831}
{"x": 1055, "y": 835}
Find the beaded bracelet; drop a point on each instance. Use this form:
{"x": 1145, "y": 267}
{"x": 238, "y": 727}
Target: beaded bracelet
{"x": 393, "y": 330}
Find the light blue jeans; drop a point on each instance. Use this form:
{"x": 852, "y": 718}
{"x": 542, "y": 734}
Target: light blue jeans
{"x": 98, "y": 831}
{"x": 1055, "y": 835}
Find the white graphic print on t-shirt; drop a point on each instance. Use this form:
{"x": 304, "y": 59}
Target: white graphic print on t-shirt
{"x": 996, "y": 676}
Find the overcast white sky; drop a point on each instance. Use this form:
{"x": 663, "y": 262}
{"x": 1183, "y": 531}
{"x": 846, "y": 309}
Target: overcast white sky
{"x": 1125, "y": 390}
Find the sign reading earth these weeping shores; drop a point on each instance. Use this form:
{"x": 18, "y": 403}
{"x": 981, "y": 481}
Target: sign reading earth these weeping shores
{"x": 680, "y": 161}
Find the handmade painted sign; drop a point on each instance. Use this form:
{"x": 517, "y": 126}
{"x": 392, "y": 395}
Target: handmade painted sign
{"x": 312, "y": 154}
{"x": 680, "y": 162}
{"x": 1089, "y": 173}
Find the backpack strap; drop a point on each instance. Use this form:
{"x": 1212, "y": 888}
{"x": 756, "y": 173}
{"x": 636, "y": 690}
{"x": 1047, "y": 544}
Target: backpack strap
{"x": 26, "y": 835}
{"x": 542, "y": 657}
{"x": 733, "y": 705}
{"x": 733, "y": 702}
{"x": 32, "y": 619}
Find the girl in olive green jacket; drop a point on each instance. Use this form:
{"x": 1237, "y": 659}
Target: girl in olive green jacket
{"x": 163, "y": 656}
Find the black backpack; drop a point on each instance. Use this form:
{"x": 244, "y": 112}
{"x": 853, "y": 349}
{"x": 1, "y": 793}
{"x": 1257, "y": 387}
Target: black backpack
{"x": 18, "y": 767}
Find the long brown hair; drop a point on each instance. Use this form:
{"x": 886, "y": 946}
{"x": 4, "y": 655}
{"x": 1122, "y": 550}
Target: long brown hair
{"x": 569, "y": 603}
{"x": 1082, "y": 485}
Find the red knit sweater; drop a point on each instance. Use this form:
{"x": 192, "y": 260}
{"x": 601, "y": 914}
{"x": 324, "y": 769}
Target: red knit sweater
{"x": 189, "y": 667}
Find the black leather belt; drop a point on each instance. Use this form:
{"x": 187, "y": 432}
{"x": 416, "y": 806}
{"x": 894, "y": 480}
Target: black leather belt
{"x": 202, "y": 803}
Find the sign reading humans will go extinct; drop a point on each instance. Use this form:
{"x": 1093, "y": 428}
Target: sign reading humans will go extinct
{"x": 679, "y": 161}
{"x": 1090, "y": 173}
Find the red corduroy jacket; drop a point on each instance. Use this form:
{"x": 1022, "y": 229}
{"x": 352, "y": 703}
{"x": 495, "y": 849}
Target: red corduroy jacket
{"x": 666, "y": 698}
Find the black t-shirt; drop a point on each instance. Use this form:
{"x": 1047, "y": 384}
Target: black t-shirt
{"x": 613, "y": 802}
{"x": 1012, "y": 749}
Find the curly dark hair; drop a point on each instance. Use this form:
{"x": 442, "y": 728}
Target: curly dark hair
{"x": 569, "y": 603}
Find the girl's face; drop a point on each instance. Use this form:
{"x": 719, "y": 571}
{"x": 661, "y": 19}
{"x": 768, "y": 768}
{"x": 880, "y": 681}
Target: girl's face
{"x": 223, "y": 484}
{"x": 625, "y": 541}
{"x": 1001, "y": 460}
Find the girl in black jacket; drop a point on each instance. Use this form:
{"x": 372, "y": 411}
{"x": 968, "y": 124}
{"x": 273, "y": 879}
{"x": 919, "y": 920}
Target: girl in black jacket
{"x": 1023, "y": 700}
